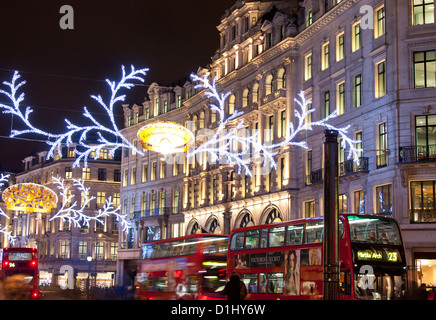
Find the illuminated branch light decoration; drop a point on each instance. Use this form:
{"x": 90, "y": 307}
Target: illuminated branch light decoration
{"x": 75, "y": 213}
{"x": 217, "y": 145}
{"x": 303, "y": 125}
{"x": 57, "y": 140}
{"x": 4, "y": 178}
{"x": 221, "y": 141}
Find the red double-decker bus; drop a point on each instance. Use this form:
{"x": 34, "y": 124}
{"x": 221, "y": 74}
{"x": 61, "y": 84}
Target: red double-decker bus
{"x": 284, "y": 260}
{"x": 186, "y": 268}
{"x": 22, "y": 263}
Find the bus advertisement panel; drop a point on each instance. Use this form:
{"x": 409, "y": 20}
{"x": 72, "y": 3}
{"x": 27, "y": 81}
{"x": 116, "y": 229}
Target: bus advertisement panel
{"x": 284, "y": 260}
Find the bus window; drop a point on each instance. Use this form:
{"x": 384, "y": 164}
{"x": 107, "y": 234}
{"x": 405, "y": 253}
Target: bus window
{"x": 251, "y": 282}
{"x": 373, "y": 230}
{"x": 156, "y": 284}
{"x": 237, "y": 241}
{"x": 264, "y": 238}
{"x": 215, "y": 246}
{"x": 262, "y": 283}
{"x": 314, "y": 232}
{"x": 276, "y": 236}
{"x": 193, "y": 283}
{"x": 275, "y": 282}
{"x": 294, "y": 234}
{"x": 252, "y": 239}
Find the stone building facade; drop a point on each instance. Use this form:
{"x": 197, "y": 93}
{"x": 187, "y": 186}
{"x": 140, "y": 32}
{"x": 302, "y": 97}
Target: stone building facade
{"x": 371, "y": 61}
{"x": 61, "y": 245}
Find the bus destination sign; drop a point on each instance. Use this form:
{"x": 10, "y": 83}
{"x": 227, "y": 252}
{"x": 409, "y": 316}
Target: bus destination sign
{"x": 378, "y": 255}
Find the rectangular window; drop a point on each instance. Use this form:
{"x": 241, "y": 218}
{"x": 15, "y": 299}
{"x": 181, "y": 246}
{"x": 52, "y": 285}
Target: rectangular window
{"x": 153, "y": 172}
{"x": 425, "y": 133}
{"x": 143, "y": 205}
{"x": 64, "y": 249}
{"x": 309, "y": 18}
{"x": 383, "y": 196}
{"x": 116, "y": 200}
{"x": 68, "y": 173}
{"x": 326, "y": 104}
{"x": 117, "y": 175}
{"x": 283, "y": 123}
{"x": 359, "y": 201}
{"x": 126, "y": 177}
{"x": 179, "y": 101}
{"x": 379, "y": 25}
{"x": 99, "y": 250}
{"x": 144, "y": 173}
{"x": 422, "y": 194}
{"x": 162, "y": 171}
{"x": 308, "y": 67}
{"x": 308, "y": 167}
{"x": 86, "y": 173}
{"x": 343, "y": 203}
{"x": 101, "y": 199}
{"x": 424, "y": 69}
{"x": 133, "y": 177}
{"x": 357, "y": 92}
{"x": 356, "y": 41}
{"x": 101, "y": 174}
{"x": 340, "y": 103}
{"x": 382, "y": 145}
{"x": 83, "y": 250}
{"x": 175, "y": 201}
{"x": 340, "y": 48}
{"x": 380, "y": 79}
{"x": 423, "y": 12}
{"x": 309, "y": 209}
{"x": 325, "y": 56}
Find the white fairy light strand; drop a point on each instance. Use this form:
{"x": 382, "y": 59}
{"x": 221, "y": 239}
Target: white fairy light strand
{"x": 65, "y": 138}
{"x": 75, "y": 213}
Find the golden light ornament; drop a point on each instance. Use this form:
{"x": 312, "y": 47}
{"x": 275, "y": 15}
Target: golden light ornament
{"x": 165, "y": 137}
{"x": 29, "y": 197}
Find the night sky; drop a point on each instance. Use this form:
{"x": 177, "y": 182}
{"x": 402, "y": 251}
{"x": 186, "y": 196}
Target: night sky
{"x": 62, "y": 68}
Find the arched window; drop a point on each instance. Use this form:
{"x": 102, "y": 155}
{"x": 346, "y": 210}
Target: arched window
{"x": 201, "y": 123}
{"x": 246, "y": 221}
{"x": 232, "y": 100}
{"x": 268, "y": 84}
{"x": 195, "y": 227}
{"x": 273, "y": 216}
{"x": 281, "y": 79}
{"x": 245, "y": 98}
{"x": 214, "y": 226}
{"x": 255, "y": 94}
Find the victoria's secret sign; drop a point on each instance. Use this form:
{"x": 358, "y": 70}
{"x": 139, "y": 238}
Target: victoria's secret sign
{"x": 259, "y": 260}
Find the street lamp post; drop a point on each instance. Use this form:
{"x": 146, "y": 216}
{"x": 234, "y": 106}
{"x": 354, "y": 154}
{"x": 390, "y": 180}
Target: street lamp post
{"x": 89, "y": 259}
{"x": 331, "y": 217}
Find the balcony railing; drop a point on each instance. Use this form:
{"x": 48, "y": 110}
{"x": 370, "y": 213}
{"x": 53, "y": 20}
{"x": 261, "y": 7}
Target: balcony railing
{"x": 418, "y": 153}
{"x": 315, "y": 177}
{"x": 151, "y": 213}
{"x": 345, "y": 168}
{"x": 351, "y": 167}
